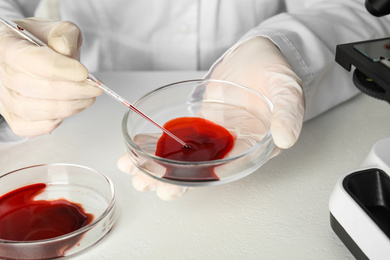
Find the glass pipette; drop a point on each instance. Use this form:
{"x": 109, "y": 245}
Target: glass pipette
{"x": 117, "y": 97}
{"x": 91, "y": 79}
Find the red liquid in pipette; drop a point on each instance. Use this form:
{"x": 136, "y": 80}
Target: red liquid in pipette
{"x": 206, "y": 141}
{"x": 24, "y": 219}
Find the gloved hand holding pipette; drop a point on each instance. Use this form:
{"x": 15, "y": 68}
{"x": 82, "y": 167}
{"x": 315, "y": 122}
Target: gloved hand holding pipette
{"x": 41, "y": 86}
{"x": 258, "y": 64}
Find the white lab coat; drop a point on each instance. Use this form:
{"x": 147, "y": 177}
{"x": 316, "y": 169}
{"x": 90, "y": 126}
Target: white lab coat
{"x": 193, "y": 34}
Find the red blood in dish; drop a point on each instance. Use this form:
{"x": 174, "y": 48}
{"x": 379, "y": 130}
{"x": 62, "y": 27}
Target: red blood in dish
{"x": 207, "y": 141}
{"x": 24, "y": 219}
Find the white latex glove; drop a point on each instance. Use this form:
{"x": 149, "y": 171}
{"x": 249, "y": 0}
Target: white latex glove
{"x": 143, "y": 182}
{"x": 257, "y": 64}
{"x": 41, "y": 86}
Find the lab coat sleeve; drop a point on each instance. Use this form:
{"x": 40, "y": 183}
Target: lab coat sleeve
{"x": 17, "y": 9}
{"x": 308, "y": 37}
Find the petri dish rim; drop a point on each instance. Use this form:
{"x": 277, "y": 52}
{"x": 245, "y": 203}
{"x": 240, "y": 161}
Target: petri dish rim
{"x": 130, "y": 142}
{"x": 77, "y": 232}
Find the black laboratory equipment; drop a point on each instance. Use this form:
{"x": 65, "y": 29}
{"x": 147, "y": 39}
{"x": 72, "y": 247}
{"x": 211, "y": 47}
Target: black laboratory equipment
{"x": 360, "y": 202}
{"x": 370, "y": 58}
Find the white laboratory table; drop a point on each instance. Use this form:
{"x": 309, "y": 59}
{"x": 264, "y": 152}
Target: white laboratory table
{"x": 278, "y": 212}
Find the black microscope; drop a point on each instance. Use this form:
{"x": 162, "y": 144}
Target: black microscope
{"x": 359, "y": 205}
{"x": 371, "y": 58}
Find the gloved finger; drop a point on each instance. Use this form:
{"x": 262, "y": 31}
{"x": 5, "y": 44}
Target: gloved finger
{"x": 168, "y": 192}
{"x": 288, "y": 113}
{"x": 46, "y": 89}
{"x": 40, "y": 62}
{"x": 26, "y": 128}
{"x": 143, "y": 182}
{"x": 125, "y": 164}
{"x": 140, "y": 181}
{"x": 64, "y": 37}
{"x": 41, "y": 109}
{"x": 165, "y": 191}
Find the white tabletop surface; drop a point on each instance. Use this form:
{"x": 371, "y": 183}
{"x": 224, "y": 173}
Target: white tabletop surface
{"x": 278, "y": 212}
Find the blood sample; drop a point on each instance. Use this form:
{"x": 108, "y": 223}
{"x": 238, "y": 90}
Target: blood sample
{"x": 22, "y": 218}
{"x": 206, "y": 141}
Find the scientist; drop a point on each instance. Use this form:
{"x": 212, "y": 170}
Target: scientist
{"x": 284, "y": 48}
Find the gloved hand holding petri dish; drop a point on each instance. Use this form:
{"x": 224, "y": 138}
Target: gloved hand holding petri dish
{"x": 226, "y": 127}
{"x": 265, "y": 115}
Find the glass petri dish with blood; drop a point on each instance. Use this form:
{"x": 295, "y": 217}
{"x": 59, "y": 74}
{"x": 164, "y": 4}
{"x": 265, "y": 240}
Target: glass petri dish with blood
{"x": 226, "y": 128}
{"x": 54, "y": 210}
